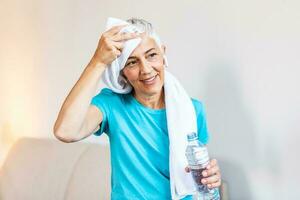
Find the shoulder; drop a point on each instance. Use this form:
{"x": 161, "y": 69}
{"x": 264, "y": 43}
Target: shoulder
{"x": 106, "y": 97}
{"x": 107, "y": 93}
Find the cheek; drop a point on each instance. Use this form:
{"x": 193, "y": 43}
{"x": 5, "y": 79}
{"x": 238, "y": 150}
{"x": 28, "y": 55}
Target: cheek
{"x": 132, "y": 75}
{"x": 159, "y": 67}
{"x": 162, "y": 77}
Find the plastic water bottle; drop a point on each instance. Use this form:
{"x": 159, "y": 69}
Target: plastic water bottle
{"x": 197, "y": 156}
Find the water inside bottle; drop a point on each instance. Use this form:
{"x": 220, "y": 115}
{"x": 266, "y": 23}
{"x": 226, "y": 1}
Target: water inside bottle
{"x": 197, "y": 175}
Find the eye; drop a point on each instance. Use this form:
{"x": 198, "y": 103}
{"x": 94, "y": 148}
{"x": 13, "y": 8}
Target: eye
{"x": 152, "y": 55}
{"x": 130, "y": 64}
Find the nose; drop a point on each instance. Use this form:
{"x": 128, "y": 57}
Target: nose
{"x": 146, "y": 67}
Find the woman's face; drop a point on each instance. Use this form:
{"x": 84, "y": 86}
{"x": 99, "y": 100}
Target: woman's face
{"x": 144, "y": 68}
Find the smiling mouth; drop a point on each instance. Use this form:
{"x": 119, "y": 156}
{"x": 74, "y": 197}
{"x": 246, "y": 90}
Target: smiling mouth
{"x": 150, "y": 80}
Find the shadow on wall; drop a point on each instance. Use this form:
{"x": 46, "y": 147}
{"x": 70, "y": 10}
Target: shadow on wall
{"x": 231, "y": 128}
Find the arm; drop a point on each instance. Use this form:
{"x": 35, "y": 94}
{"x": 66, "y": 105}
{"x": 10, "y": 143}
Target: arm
{"x": 77, "y": 119}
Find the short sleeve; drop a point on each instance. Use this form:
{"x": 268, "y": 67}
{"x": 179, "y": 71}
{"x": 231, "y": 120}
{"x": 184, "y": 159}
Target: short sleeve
{"x": 101, "y": 101}
{"x": 203, "y": 134}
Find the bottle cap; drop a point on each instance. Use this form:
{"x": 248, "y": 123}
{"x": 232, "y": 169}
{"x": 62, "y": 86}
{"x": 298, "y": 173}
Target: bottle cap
{"x": 192, "y": 136}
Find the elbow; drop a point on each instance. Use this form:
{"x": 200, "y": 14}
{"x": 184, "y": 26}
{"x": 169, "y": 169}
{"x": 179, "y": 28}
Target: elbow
{"x": 63, "y": 136}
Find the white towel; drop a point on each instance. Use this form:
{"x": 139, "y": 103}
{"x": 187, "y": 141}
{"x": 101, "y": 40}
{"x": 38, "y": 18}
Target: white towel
{"x": 181, "y": 118}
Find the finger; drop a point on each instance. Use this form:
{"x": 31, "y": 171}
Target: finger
{"x": 124, "y": 36}
{"x": 114, "y": 30}
{"x": 209, "y": 172}
{"x": 118, "y": 45}
{"x": 211, "y": 168}
{"x": 214, "y": 185}
{"x": 117, "y": 53}
{"x": 212, "y": 179}
{"x": 212, "y": 163}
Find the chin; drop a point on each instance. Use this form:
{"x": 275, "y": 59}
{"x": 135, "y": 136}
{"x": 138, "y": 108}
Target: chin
{"x": 153, "y": 91}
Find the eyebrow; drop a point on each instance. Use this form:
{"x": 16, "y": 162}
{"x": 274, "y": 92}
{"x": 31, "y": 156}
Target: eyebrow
{"x": 134, "y": 57}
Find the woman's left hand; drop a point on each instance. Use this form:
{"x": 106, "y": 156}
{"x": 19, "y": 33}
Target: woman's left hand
{"x": 211, "y": 175}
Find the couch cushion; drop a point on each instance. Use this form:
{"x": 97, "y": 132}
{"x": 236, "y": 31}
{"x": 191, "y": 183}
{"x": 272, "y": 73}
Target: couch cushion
{"x": 43, "y": 169}
{"x": 91, "y": 175}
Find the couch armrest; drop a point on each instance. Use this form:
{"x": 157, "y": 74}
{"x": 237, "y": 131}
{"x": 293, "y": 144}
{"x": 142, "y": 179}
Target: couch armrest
{"x": 224, "y": 190}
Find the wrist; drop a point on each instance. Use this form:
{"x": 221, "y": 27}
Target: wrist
{"x": 97, "y": 64}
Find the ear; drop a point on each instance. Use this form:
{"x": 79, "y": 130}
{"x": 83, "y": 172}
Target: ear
{"x": 163, "y": 49}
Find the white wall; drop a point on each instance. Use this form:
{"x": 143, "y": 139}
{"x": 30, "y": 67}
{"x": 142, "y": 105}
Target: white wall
{"x": 241, "y": 58}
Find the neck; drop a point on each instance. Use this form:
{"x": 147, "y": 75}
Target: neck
{"x": 155, "y": 101}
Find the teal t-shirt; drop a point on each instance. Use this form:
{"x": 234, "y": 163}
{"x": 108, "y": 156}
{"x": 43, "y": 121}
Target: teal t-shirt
{"x": 139, "y": 146}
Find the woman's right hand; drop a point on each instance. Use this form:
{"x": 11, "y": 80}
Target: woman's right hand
{"x": 111, "y": 44}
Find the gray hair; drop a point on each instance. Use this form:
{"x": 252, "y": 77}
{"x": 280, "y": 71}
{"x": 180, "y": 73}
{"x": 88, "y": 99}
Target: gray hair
{"x": 145, "y": 26}
{"x": 142, "y": 25}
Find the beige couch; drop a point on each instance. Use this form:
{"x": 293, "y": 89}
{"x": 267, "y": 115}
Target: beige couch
{"x": 44, "y": 169}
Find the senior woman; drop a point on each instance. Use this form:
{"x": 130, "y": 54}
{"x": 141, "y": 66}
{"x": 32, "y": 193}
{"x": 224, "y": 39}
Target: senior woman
{"x": 143, "y": 112}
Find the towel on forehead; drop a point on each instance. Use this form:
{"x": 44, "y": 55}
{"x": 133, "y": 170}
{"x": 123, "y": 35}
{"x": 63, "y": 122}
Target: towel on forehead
{"x": 181, "y": 117}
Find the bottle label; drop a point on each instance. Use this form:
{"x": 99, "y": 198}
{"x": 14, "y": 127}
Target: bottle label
{"x": 201, "y": 156}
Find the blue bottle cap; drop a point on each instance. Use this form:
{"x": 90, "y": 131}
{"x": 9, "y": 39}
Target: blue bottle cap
{"x": 192, "y": 136}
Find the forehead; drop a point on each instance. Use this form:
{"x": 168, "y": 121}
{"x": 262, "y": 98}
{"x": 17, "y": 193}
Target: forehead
{"x": 146, "y": 44}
